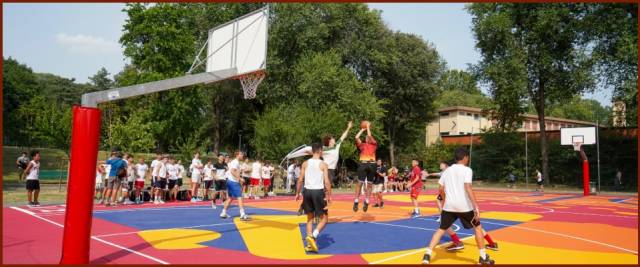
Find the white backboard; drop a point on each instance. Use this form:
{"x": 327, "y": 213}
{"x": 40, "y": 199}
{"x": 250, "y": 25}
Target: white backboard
{"x": 587, "y": 134}
{"x": 240, "y": 43}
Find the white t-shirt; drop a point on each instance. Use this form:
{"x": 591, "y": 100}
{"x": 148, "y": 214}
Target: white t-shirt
{"x": 266, "y": 172}
{"x": 296, "y": 172}
{"x": 290, "y": 171}
{"x": 244, "y": 169}
{"x": 208, "y": 172}
{"x": 131, "y": 173}
{"x": 180, "y": 171}
{"x": 172, "y": 170}
{"x": 162, "y": 170}
{"x": 313, "y": 176}
{"x": 35, "y": 171}
{"x": 539, "y": 175}
{"x": 195, "y": 167}
{"x": 107, "y": 170}
{"x": 98, "y": 177}
{"x": 453, "y": 180}
{"x": 141, "y": 169}
{"x": 233, "y": 165}
{"x": 331, "y": 155}
{"x": 154, "y": 171}
{"x": 256, "y": 170}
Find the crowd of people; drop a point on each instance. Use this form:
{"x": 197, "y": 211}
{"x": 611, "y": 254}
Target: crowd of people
{"x": 121, "y": 181}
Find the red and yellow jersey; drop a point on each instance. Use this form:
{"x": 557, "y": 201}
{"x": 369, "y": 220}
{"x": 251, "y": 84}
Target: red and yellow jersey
{"x": 416, "y": 174}
{"x": 368, "y": 150}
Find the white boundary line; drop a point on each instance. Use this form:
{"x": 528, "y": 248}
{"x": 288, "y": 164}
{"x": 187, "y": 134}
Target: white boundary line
{"x": 413, "y": 252}
{"x": 94, "y": 238}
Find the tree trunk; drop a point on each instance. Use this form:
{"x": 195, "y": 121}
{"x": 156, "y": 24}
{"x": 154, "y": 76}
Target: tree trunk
{"x": 540, "y": 108}
{"x": 392, "y": 148}
{"x": 216, "y": 124}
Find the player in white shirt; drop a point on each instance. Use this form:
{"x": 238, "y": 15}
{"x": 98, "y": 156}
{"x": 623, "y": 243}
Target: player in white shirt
{"x": 99, "y": 178}
{"x": 220, "y": 175}
{"x": 127, "y": 186}
{"x": 141, "y": 174}
{"x": 234, "y": 186}
{"x": 316, "y": 196}
{"x": 161, "y": 181}
{"x": 291, "y": 175}
{"x": 33, "y": 178}
{"x": 459, "y": 203}
{"x": 172, "y": 171}
{"x": 196, "y": 176}
{"x": 208, "y": 179}
{"x": 245, "y": 169}
{"x": 180, "y": 174}
{"x": 256, "y": 177}
{"x": 267, "y": 170}
{"x": 105, "y": 179}
{"x": 154, "y": 175}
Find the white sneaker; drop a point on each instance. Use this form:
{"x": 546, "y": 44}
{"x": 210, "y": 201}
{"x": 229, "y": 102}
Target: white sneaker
{"x": 156, "y": 202}
{"x": 438, "y": 220}
{"x": 161, "y": 201}
{"x": 385, "y": 191}
{"x": 193, "y": 200}
{"x": 213, "y": 205}
{"x": 257, "y": 197}
{"x": 224, "y": 215}
{"x": 245, "y": 196}
{"x": 128, "y": 202}
{"x": 244, "y": 217}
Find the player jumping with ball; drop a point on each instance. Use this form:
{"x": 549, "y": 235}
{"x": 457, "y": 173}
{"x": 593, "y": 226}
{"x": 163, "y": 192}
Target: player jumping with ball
{"x": 367, "y": 166}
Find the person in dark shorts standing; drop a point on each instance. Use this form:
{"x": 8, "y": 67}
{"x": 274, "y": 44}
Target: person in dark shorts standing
{"x": 220, "y": 168}
{"x": 22, "y": 163}
{"x": 32, "y": 172}
{"x": 367, "y": 166}
{"x": 378, "y": 183}
{"x": 317, "y": 194}
{"x": 459, "y": 203}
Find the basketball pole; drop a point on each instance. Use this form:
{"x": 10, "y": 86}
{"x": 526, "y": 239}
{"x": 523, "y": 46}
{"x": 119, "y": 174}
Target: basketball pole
{"x": 585, "y": 171}
{"x": 85, "y": 137}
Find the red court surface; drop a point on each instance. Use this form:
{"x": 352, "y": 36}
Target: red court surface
{"x": 529, "y": 227}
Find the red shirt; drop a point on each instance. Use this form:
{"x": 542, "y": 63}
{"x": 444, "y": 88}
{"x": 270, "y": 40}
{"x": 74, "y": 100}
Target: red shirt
{"x": 416, "y": 173}
{"x": 368, "y": 150}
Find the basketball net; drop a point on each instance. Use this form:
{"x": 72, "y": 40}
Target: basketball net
{"x": 250, "y": 82}
{"x": 576, "y": 146}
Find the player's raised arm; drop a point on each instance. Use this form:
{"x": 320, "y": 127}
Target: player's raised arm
{"x": 346, "y": 132}
{"x": 358, "y": 141}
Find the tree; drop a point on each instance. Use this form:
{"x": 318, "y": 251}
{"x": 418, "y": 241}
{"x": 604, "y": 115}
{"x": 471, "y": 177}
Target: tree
{"x": 582, "y": 109}
{"x": 50, "y": 122}
{"x": 19, "y": 86}
{"x": 459, "y": 88}
{"x": 405, "y": 70}
{"x": 536, "y": 47}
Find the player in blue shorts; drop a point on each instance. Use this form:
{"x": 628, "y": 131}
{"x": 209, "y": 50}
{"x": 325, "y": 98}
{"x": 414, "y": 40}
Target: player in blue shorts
{"x": 234, "y": 186}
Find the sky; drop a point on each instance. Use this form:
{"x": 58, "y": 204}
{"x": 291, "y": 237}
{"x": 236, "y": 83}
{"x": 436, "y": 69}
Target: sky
{"x": 75, "y": 40}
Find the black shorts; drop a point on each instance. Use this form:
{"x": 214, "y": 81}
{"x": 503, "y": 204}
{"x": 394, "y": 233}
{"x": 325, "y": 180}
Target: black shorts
{"x": 160, "y": 183}
{"x": 367, "y": 171}
{"x": 33, "y": 185}
{"x": 221, "y": 185}
{"x": 172, "y": 184}
{"x": 246, "y": 180}
{"x": 313, "y": 201}
{"x": 130, "y": 185}
{"x": 467, "y": 219}
{"x": 154, "y": 180}
{"x": 179, "y": 182}
{"x": 332, "y": 175}
{"x": 541, "y": 182}
{"x": 207, "y": 184}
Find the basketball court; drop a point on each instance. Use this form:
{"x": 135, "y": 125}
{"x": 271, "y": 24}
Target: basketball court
{"x": 531, "y": 228}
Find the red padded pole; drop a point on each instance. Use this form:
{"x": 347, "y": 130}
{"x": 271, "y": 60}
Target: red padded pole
{"x": 85, "y": 136}
{"x": 585, "y": 176}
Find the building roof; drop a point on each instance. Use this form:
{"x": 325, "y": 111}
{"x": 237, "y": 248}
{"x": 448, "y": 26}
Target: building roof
{"x": 526, "y": 115}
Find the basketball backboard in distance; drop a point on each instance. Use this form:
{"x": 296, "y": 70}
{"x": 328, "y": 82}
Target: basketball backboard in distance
{"x": 240, "y": 43}
{"x": 570, "y": 135}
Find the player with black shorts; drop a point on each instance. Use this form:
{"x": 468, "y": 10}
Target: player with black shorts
{"x": 367, "y": 167}
{"x": 317, "y": 194}
{"x": 220, "y": 183}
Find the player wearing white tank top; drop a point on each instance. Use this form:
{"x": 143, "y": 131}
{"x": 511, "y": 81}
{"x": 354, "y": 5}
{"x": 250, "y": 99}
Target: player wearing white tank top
{"x": 317, "y": 194}
{"x": 32, "y": 178}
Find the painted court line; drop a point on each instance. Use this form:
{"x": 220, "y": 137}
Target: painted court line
{"x": 93, "y": 237}
{"x": 162, "y": 229}
{"x": 565, "y": 235}
{"x": 413, "y": 252}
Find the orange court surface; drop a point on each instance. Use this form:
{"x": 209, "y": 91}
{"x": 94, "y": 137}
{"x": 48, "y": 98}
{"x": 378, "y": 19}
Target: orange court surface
{"x": 530, "y": 228}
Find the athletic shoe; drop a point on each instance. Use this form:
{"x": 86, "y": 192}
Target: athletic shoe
{"x": 37, "y": 204}
{"x": 376, "y": 205}
{"x": 156, "y": 202}
{"x": 244, "y": 217}
{"x": 426, "y": 259}
{"x": 101, "y": 201}
{"x": 193, "y": 200}
{"x": 256, "y": 197}
{"x": 455, "y": 247}
{"x": 365, "y": 206}
{"x": 128, "y": 202}
{"x": 493, "y": 247}
{"x": 107, "y": 204}
{"x": 308, "y": 249}
{"x": 485, "y": 261}
{"x": 385, "y": 191}
{"x": 224, "y": 215}
{"x": 31, "y": 204}
{"x": 311, "y": 242}
{"x": 213, "y": 205}
{"x": 355, "y": 206}
{"x": 438, "y": 220}
{"x": 300, "y": 211}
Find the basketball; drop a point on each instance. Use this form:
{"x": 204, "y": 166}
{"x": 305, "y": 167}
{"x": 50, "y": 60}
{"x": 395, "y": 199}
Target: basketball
{"x": 364, "y": 124}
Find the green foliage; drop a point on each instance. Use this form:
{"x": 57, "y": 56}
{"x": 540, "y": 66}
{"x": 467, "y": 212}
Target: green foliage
{"x": 459, "y": 88}
{"x": 132, "y": 133}
{"x": 436, "y": 153}
{"x": 49, "y": 123}
{"x": 582, "y": 109}
{"x": 18, "y": 85}
{"x": 500, "y": 154}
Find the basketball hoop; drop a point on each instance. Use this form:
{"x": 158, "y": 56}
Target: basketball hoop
{"x": 250, "y": 82}
{"x": 577, "y": 145}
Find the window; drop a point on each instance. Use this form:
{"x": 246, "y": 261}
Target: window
{"x": 468, "y": 114}
{"x": 444, "y": 133}
{"x": 460, "y": 113}
{"x": 476, "y": 116}
{"x": 444, "y": 114}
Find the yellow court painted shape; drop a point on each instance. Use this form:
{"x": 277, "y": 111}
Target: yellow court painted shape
{"x": 275, "y": 237}
{"x": 509, "y": 216}
{"x": 510, "y": 253}
{"x": 178, "y": 238}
